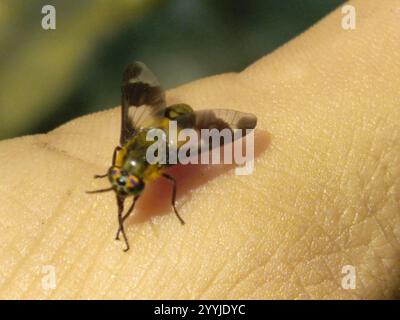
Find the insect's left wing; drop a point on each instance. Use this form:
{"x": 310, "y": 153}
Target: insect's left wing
{"x": 142, "y": 98}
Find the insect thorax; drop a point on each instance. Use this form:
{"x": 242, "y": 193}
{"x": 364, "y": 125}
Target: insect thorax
{"x": 132, "y": 157}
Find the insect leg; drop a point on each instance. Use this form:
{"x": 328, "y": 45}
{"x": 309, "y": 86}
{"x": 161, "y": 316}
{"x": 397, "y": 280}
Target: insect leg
{"x": 120, "y": 203}
{"x": 127, "y": 214}
{"x": 172, "y": 179}
{"x": 117, "y": 148}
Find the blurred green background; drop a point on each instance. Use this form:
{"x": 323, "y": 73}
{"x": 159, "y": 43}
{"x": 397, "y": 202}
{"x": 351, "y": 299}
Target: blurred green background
{"x": 48, "y": 77}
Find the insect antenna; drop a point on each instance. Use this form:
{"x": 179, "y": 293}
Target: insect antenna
{"x": 97, "y": 176}
{"x": 100, "y": 190}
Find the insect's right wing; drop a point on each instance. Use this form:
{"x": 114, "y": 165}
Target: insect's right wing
{"x": 224, "y": 119}
{"x": 220, "y": 119}
{"x": 142, "y": 98}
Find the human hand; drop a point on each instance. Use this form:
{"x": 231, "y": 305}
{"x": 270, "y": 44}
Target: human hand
{"x": 325, "y": 192}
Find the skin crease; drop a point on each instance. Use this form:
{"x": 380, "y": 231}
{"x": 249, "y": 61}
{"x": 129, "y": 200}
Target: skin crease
{"x": 325, "y": 192}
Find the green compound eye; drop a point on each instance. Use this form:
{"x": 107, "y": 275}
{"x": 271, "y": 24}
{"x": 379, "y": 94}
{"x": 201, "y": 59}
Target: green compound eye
{"x": 114, "y": 175}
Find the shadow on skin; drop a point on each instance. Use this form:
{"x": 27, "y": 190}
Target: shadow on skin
{"x": 156, "y": 198}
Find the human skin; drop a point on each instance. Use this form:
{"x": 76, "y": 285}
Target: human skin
{"x": 325, "y": 192}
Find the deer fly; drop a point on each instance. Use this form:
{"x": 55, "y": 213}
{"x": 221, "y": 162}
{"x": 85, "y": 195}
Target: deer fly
{"x": 143, "y": 107}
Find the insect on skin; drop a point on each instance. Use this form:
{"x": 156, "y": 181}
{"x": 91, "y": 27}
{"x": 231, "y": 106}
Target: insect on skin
{"x": 144, "y": 108}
